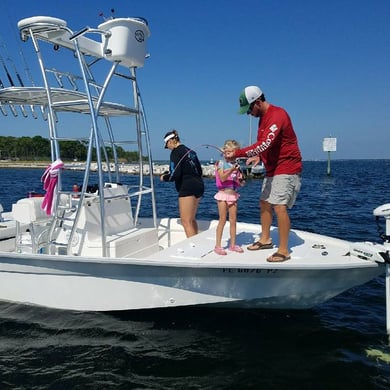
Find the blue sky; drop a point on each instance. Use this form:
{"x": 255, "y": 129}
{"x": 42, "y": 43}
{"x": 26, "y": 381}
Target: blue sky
{"x": 326, "y": 62}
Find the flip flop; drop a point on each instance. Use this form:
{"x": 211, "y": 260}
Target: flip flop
{"x": 278, "y": 258}
{"x": 259, "y": 245}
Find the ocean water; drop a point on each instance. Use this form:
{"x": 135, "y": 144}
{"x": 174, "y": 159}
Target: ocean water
{"x": 332, "y": 346}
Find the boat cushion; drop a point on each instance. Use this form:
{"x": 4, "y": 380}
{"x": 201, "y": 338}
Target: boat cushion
{"x": 28, "y": 210}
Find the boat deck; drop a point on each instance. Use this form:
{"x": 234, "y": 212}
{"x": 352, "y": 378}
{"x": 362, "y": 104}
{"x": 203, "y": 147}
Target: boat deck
{"x": 306, "y": 249}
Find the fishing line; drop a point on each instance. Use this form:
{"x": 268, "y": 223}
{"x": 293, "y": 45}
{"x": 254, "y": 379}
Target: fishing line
{"x": 213, "y": 146}
{"x": 193, "y": 150}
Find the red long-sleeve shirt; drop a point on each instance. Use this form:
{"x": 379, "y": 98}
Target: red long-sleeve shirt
{"x": 276, "y": 144}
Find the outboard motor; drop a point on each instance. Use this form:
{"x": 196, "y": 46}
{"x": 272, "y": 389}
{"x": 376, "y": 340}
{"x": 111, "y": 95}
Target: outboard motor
{"x": 372, "y": 251}
{"x": 384, "y": 211}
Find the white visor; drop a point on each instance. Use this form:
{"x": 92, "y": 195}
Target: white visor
{"x": 168, "y": 137}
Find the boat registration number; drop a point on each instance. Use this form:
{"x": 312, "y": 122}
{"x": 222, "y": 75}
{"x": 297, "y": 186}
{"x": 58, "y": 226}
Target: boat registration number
{"x": 249, "y": 271}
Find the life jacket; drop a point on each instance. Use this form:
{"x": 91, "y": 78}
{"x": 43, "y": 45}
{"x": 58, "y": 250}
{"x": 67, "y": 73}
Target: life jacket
{"x": 232, "y": 181}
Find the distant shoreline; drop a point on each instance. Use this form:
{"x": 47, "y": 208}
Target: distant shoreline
{"x": 208, "y": 169}
{"x": 158, "y": 169}
{"x": 24, "y": 164}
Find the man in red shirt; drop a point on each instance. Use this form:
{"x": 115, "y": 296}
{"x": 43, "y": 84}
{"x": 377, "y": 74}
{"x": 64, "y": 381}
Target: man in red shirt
{"x": 277, "y": 146}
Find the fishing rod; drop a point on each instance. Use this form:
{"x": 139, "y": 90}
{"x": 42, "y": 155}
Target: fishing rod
{"x": 213, "y": 146}
{"x": 193, "y": 150}
{"x": 22, "y": 109}
{"x": 2, "y": 108}
{"x": 6, "y": 71}
{"x": 3, "y": 111}
{"x": 8, "y": 58}
{"x": 11, "y": 81}
{"x": 27, "y": 69}
{"x": 16, "y": 71}
{"x": 30, "y": 78}
{"x": 11, "y": 106}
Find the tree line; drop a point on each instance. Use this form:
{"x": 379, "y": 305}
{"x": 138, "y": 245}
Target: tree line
{"x": 38, "y": 148}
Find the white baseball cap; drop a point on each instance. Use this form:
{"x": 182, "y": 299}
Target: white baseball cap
{"x": 247, "y": 97}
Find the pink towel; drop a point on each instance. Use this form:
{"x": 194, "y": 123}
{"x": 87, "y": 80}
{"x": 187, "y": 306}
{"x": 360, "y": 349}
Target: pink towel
{"x": 50, "y": 179}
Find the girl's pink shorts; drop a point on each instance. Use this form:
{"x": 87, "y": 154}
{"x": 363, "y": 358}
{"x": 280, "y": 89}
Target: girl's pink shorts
{"x": 228, "y": 197}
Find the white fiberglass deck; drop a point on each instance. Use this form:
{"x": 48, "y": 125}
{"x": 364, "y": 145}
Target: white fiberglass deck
{"x": 308, "y": 251}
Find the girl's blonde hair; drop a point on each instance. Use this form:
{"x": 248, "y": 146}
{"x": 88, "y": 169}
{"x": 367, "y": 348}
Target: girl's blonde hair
{"x": 231, "y": 144}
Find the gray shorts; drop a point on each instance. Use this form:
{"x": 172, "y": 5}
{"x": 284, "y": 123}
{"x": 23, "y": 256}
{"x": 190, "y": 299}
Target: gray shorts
{"x": 281, "y": 189}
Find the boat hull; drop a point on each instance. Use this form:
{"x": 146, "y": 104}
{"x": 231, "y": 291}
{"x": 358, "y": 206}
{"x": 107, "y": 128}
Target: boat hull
{"x": 118, "y": 284}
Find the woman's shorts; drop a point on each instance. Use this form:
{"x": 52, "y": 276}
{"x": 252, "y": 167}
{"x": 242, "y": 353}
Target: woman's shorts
{"x": 228, "y": 197}
{"x": 192, "y": 187}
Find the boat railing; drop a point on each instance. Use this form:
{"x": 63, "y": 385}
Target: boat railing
{"x": 55, "y": 31}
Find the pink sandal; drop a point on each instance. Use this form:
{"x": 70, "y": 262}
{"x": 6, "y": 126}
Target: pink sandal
{"x": 220, "y": 251}
{"x": 236, "y": 248}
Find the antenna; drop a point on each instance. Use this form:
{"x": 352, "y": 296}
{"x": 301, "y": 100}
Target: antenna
{"x": 101, "y": 14}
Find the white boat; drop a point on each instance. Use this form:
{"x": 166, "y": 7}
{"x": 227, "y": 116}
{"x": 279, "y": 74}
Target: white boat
{"x": 93, "y": 250}
{"x": 257, "y": 171}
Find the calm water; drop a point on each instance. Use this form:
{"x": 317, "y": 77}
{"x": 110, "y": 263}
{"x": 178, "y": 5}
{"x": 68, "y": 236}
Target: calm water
{"x": 322, "y": 348}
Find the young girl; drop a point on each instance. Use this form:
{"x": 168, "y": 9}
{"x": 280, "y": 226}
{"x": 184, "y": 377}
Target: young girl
{"x": 228, "y": 178}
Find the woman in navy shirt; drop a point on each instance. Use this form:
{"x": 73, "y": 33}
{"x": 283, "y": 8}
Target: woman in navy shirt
{"x": 185, "y": 170}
